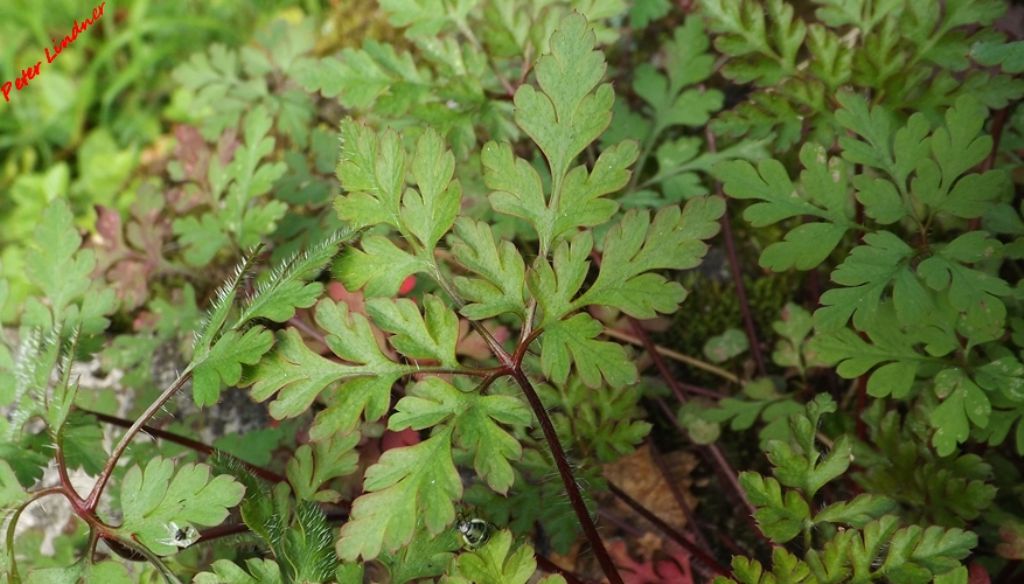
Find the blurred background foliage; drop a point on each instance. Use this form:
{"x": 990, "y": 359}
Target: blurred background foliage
{"x": 94, "y": 124}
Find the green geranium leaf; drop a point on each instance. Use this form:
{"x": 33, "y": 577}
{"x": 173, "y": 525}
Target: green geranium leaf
{"x": 555, "y": 284}
{"x": 379, "y": 268}
{"x": 574, "y": 342}
{"x": 1010, "y": 56}
{"x": 429, "y": 212}
{"x": 63, "y": 274}
{"x": 409, "y": 484}
{"x": 154, "y": 498}
{"x": 256, "y": 571}
{"x": 801, "y": 467}
{"x": 780, "y": 517}
{"x": 671, "y": 97}
{"x": 361, "y": 76}
{"x": 202, "y": 238}
{"x": 721, "y": 348}
{"x": 794, "y": 327}
{"x": 889, "y": 346}
{"x": 223, "y": 364}
{"x": 298, "y": 375}
{"x": 372, "y": 170}
{"x": 315, "y": 464}
{"x": 867, "y": 273}
{"x": 858, "y": 511}
{"x": 763, "y": 38}
{"x": 644, "y": 12}
{"x": 499, "y": 284}
{"x": 976, "y": 294}
{"x": 569, "y": 111}
{"x": 637, "y": 246}
{"x": 917, "y": 551}
{"x": 963, "y": 403}
{"x": 431, "y": 335}
{"x": 476, "y": 421}
{"x": 822, "y": 193}
{"x": 493, "y": 564}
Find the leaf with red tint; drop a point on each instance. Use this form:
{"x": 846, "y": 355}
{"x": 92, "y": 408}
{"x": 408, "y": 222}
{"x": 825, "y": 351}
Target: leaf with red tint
{"x": 977, "y": 574}
{"x": 131, "y": 278}
{"x": 150, "y": 226}
{"x": 108, "y": 228}
{"x": 673, "y": 570}
{"x": 1012, "y": 547}
{"x": 193, "y": 153}
{"x": 407, "y": 437}
{"x": 130, "y": 256}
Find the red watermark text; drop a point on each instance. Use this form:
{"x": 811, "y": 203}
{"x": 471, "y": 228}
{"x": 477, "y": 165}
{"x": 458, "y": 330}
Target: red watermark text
{"x": 29, "y": 73}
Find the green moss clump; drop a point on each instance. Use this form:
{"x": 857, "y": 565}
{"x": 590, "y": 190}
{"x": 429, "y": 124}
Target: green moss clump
{"x": 713, "y": 306}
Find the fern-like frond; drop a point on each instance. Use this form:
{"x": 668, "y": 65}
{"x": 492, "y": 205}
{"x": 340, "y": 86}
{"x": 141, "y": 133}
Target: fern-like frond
{"x": 212, "y": 324}
{"x": 33, "y": 363}
{"x": 309, "y": 545}
{"x": 57, "y": 402}
{"x": 288, "y": 284}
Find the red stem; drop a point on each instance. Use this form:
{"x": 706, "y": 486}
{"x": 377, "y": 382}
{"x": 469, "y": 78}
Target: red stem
{"x": 723, "y": 470}
{"x": 678, "y": 387}
{"x": 998, "y": 122}
{"x": 670, "y": 531}
{"x": 677, "y": 493}
{"x": 512, "y": 365}
{"x": 62, "y": 470}
{"x": 737, "y": 274}
{"x": 741, "y": 294}
{"x": 569, "y": 482}
{"x": 862, "y": 404}
{"x": 108, "y": 469}
{"x": 300, "y": 324}
{"x": 713, "y": 450}
{"x": 553, "y": 568}
{"x": 189, "y": 443}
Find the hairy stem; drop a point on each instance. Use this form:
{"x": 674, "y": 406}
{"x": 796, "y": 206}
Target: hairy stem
{"x": 861, "y": 386}
{"x": 571, "y": 489}
{"x": 13, "y": 522}
{"x": 512, "y": 365}
{"x": 219, "y": 531}
{"x": 115, "y": 455}
{"x": 741, "y": 294}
